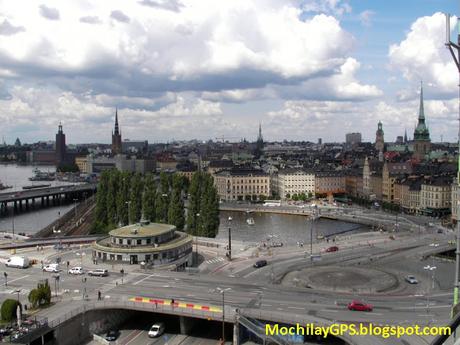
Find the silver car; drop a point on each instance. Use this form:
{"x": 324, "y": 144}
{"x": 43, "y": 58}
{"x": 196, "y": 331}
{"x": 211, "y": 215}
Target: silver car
{"x": 411, "y": 280}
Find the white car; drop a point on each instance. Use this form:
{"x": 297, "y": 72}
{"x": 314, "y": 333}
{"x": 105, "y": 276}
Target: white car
{"x": 54, "y": 268}
{"x": 76, "y": 270}
{"x": 156, "y": 330}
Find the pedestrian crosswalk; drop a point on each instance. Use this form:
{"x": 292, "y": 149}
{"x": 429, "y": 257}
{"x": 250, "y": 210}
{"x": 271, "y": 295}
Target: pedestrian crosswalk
{"x": 215, "y": 260}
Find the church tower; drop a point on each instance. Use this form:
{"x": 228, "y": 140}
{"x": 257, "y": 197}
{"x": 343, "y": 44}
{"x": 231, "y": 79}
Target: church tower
{"x": 379, "y": 140}
{"x": 116, "y": 137}
{"x": 60, "y": 147}
{"x": 422, "y": 142}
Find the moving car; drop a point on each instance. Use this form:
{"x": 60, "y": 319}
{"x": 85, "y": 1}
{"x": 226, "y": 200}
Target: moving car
{"x": 17, "y": 261}
{"x": 332, "y": 249}
{"x": 359, "y": 306}
{"x": 54, "y": 268}
{"x": 112, "y": 335}
{"x": 411, "y": 279}
{"x": 260, "y": 263}
{"x": 156, "y": 330}
{"x": 76, "y": 270}
{"x": 100, "y": 272}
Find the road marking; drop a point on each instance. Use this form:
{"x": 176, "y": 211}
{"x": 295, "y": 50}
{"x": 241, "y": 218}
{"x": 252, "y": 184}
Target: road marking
{"x": 10, "y": 281}
{"x": 140, "y": 281}
{"x": 296, "y": 308}
{"x": 374, "y": 313}
{"x": 329, "y": 311}
{"x": 138, "y": 334}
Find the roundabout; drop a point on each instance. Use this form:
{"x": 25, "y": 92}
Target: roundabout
{"x": 342, "y": 279}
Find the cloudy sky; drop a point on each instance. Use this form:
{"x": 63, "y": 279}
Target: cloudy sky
{"x": 184, "y": 69}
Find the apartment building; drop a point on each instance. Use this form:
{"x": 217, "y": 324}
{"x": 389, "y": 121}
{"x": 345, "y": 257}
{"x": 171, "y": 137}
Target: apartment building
{"x": 242, "y": 184}
{"x": 294, "y": 181}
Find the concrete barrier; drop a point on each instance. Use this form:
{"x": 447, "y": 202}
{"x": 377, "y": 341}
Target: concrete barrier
{"x": 100, "y": 340}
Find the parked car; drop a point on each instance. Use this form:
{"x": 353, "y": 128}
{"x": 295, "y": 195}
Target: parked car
{"x": 100, "y": 272}
{"x": 157, "y": 330}
{"x": 112, "y": 335}
{"x": 411, "y": 279}
{"x": 359, "y": 306}
{"x": 332, "y": 249}
{"x": 260, "y": 263}
{"x": 17, "y": 261}
{"x": 76, "y": 270}
{"x": 54, "y": 268}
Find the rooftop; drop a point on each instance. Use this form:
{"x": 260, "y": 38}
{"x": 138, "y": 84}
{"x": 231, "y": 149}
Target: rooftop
{"x": 143, "y": 229}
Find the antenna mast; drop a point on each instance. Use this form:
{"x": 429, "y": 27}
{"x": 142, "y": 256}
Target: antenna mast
{"x": 456, "y": 46}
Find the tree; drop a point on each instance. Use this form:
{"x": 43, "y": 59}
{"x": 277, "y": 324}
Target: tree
{"x": 176, "y": 205}
{"x": 9, "y": 309}
{"x": 111, "y": 204}
{"x": 100, "y": 223}
{"x": 194, "y": 203}
{"x": 209, "y": 208}
{"x": 135, "y": 206}
{"x": 148, "y": 199}
{"x": 41, "y": 295}
{"x": 124, "y": 182}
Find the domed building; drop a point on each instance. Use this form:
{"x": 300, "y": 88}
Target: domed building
{"x": 151, "y": 243}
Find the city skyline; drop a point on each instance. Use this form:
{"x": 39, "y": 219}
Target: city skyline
{"x": 197, "y": 70}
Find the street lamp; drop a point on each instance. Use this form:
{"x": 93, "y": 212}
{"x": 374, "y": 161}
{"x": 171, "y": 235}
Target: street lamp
{"x": 75, "y": 202}
{"x": 311, "y": 232}
{"x": 129, "y": 218}
{"x": 196, "y": 246}
{"x": 432, "y": 269}
{"x": 222, "y": 291}
{"x": 229, "y": 253}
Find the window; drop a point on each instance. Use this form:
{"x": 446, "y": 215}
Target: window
{"x": 139, "y": 242}
{"x": 129, "y": 242}
{"x": 149, "y": 240}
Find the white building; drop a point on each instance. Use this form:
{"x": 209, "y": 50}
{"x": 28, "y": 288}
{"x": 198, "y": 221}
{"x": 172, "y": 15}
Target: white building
{"x": 294, "y": 181}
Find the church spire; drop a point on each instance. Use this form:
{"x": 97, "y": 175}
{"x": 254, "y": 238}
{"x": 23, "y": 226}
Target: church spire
{"x": 260, "y": 138}
{"x": 421, "y": 112}
{"x": 116, "y": 122}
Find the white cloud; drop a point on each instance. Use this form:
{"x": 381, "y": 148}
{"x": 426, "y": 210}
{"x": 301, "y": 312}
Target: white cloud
{"x": 198, "y": 43}
{"x": 423, "y": 56}
{"x": 330, "y": 120}
{"x": 49, "y": 12}
{"x": 366, "y": 17}
{"x": 335, "y": 7}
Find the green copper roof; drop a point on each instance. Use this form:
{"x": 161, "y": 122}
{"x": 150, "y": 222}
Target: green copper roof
{"x": 421, "y": 131}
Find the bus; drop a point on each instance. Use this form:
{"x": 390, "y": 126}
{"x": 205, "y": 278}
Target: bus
{"x": 272, "y": 203}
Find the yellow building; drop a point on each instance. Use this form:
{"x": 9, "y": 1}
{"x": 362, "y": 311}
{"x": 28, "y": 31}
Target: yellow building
{"x": 242, "y": 184}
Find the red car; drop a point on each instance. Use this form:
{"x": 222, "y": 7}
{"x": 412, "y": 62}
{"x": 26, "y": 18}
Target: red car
{"x": 332, "y": 249}
{"x": 359, "y": 306}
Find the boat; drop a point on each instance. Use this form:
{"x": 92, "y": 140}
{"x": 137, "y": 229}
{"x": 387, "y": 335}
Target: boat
{"x": 42, "y": 176}
{"x": 2, "y": 186}
{"x": 35, "y": 186}
{"x": 250, "y": 221}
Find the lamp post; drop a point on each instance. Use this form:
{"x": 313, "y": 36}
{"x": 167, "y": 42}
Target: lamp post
{"x": 129, "y": 204}
{"x": 451, "y": 46}
{"x": 75, "y": 207}
{"x": 432, "y": 269}
{"x": 229, "y": 253}
{"x": 196, "y": 246}
{"x": 6, "y": 278}
{"x": 311, "y": 232}
{"x": 222, "y": 291}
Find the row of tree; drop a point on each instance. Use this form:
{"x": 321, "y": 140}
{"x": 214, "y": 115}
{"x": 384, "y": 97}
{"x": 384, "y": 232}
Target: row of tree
{"x": 203, "y": 208}
{"x": 124, "y": 198}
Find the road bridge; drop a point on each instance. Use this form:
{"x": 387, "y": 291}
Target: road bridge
{"x": 23, "y": 200}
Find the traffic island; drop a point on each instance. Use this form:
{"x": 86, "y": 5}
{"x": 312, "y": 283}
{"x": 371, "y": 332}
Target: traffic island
{"x": 342, "y": 279}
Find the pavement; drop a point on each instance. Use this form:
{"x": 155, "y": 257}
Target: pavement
{"x": 252, "y": 289}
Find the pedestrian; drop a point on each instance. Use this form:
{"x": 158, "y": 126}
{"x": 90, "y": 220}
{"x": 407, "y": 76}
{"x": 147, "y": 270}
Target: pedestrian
{"x": 99, "y": 295}
{"x": 68, "y": 263}
{"x": 172, "y": 302}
